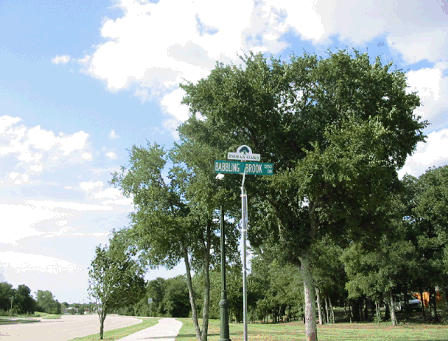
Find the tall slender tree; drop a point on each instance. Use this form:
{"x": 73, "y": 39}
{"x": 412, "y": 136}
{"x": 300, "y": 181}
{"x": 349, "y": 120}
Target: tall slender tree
{"x": 115, "y": 278}
{"x": 175, "y": 204}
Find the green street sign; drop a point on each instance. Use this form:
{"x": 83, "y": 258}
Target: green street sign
{"x": 238, "y": 167}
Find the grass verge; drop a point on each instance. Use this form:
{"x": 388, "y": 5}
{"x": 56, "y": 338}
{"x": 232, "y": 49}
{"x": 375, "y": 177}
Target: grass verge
{"x": 4, "y": 321}
{"x": 336, "y": 332}
{"x": 16, "y": 319}
{"x": 47, "y": 316}
{"x": 121, "y": 332}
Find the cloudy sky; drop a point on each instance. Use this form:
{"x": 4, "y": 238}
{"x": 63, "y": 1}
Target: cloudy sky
{"x": 82, "y": 81}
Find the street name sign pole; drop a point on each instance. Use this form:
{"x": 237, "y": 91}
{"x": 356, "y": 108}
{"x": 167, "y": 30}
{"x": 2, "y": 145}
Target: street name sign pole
{"x": 244, "y": 166}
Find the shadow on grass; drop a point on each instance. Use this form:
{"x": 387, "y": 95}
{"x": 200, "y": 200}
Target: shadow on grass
{"x": 4, "y": 321}
{"x": 178, "y": 335}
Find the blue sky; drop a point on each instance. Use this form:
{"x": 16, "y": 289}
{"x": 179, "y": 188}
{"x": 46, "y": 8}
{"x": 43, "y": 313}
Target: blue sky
{"x": 81, "y": 82}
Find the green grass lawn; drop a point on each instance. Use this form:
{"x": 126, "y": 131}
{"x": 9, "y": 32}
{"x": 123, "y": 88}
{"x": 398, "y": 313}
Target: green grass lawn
{"x": 337, "y": 332}
{"x": 16, "y": 319}
{"x": 4, "y": 320}
{"x": 47, "y": 316}
{"x": 121, "y": 332}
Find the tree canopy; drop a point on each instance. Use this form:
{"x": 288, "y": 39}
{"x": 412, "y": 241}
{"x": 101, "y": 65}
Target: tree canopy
{"x": 337, "y": 131}
{"x": 115, "y": 278}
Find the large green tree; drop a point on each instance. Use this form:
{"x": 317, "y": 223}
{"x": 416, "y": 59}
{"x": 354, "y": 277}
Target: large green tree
{"x": 6, "y": 295}
{"x": 429, "y": 218}
{"x": 46, "y": 301}
{"x": 115, "y": 278}
{"x": 337, "y": 131}
{"x": 156, "y": 291}
{"x": 175, "y": 300}
{"x": 23, "y": 301}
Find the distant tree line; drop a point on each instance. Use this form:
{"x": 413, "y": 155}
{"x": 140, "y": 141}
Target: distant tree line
{"x": 18, "y": 301}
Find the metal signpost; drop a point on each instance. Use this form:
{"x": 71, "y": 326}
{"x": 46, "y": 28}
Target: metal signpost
{"x": 244, "y": 154}
{"x": 150, "y": 305}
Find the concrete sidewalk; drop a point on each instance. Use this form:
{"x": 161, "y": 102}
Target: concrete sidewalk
{"x": 166, "y": 330}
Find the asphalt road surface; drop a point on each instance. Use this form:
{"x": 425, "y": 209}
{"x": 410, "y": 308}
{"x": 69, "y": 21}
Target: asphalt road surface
{"x": 65, "y": 328}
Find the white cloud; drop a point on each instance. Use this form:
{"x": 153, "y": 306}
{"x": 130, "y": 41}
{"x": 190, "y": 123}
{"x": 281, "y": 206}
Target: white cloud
{"x": 64, "y": 59}
{"x": 73, "y": 142}
{"x": 168, "y": 54}
{"x": 13, "y": 175}
{"x": 171, "y": 104}
{"x": 415, "y": 29}
{"x": 188, "y": 50}
{"x": 24, "y": 262}
{"x": 432, "y": 87}
{"x": 107, "y": 196}
{"x": 18, "y": 178}
{"x": 65, "y": 207}
{"x": 36, "y": 148}
{"x": 171, "y": 125}
{"x": 113, "y": 196}
{"x": 87, "y": 156}
{"x": 113, "y": 135}
{"x": 20, "y": 221}
{"x": 7, "y": 121}
{"x": 432, "y": 153}
{"x": 111, "y": 155}
{"x": 61, "y": 223}
{"x": 109, "y": 193}
{"x": 41, "y": 139}
{"x": 88, "y": 186}
{"x": 36, "y": 168}
{"x": 186, "y": 43}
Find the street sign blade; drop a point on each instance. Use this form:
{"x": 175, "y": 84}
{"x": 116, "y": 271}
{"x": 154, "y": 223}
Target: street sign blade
{"x": 233, "y": 167}
{"x": 258, "y": 168}
{"x": 250, "y": 168}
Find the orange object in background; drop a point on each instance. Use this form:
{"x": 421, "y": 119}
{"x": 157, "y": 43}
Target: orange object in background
{"x": 426, "y": 297}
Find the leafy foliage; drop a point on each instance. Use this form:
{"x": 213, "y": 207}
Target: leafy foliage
{"x": 115, "y": 278}
{"x": 337, "y": 131}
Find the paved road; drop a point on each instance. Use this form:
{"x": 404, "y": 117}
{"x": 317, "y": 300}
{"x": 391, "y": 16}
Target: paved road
{"x": 63, "y": 329}
{"x": 166, "y": 330}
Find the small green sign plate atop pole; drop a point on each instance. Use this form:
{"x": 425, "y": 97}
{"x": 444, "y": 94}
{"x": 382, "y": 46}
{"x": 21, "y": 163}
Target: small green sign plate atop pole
{"x": 238, "y": 167}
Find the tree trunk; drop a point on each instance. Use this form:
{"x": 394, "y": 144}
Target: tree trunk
{"x": 327, "y": 312}
{"x": 331, "y": 310}
{"x": 319, "y": 307}
{"x": 366, "y": 309}
{"x": 350, "y": 315}
{"x": 206, "y": 308}
{"x": 406, "y": 305}
{"x": 310, "y": 299}
{"x": 433, "y": 301}
{"x": 356, "y": 316}
{"x": 387, "y": 312}
{"x": 377, "y": 311}
{"x": 102, "y": 316}
{"x": 393, "y": 316}
{"x": 191, "y": 294}
{"x": 423, "y": 305}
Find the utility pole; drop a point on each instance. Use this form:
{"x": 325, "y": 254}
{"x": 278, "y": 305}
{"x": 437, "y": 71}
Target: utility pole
{"x": 224, "y": 304}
